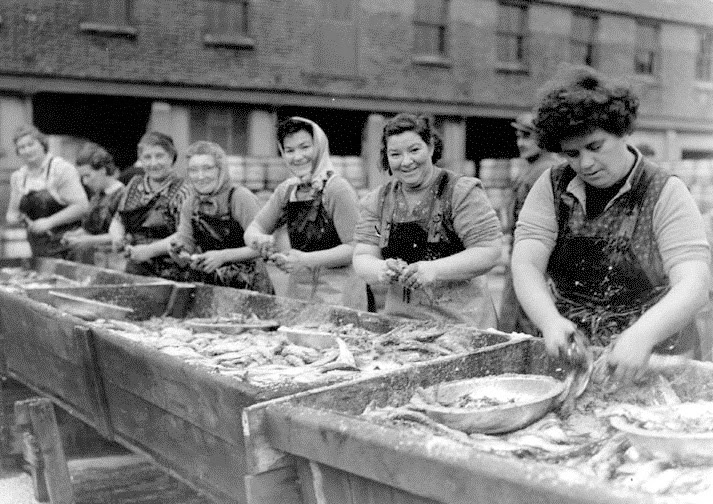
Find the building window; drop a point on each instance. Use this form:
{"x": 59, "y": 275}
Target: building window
{"x": 583, "y": 39}
{"x": 647, "y": 48}
{"x": 226, "y": 126}
{"x": 512, "y": 34}
{"x": 704, "y": 57}
{"x": 227, "y": 23}
{"x": 336, "y": 41}
{"x": 431, "y": 28}
{"x": 109, "y": 12}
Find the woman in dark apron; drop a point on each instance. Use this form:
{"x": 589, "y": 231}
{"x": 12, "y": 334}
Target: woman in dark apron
{"x": 429, "y": 234}
{"x": 212, "y": 223}
{"x": 608, "y": 243}
{"x": 148, "y": 215}
{"x": 318, "y": 209}
{"x": 46, "y": 195}
{"x": 91, "y": 243}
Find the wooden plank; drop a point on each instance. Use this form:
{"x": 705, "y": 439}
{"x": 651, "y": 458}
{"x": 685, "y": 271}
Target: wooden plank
{"x": 366, "y": 491}
{"x": 205, "y": 461}
{"x": 38, "y": 415}
{"x": 330, "y": 485}
{"x": 272, "y": 487}
{"x": 428, "y": 466}
{"x": 95, "y": 382}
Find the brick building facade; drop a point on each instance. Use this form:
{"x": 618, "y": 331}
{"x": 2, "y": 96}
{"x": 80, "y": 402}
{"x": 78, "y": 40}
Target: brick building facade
{"x": 106, "y": 70}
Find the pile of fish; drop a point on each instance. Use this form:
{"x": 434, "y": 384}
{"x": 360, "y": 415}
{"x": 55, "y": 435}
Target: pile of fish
{"x": 583, "y": 444}
{"x": 264, "y": 357}
{"x": 16, "y": 280}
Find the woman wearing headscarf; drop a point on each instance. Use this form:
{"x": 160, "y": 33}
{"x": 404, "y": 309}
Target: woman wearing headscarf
{"x": 319, "y": 209}
{"x": 212, "y": 223}
{"x": 91, "y": 243}
{"x": 429, "y": 234}
{"x": 148, "y": 214}
{"x": 45, "y": 193}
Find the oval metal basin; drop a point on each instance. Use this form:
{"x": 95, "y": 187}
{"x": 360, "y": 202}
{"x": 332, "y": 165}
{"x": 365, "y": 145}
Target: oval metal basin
{"x": 521, "y": 400}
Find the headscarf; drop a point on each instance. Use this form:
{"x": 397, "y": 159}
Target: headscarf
{"x": 213, "y": 202}
{"x": 322, "y": 167}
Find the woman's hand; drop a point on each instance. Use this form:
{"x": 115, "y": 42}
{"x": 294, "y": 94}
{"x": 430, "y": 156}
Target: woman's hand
{"x": 628, "y": 358}
{"x": 138, "y": 253}
{"x": 208, "y": 261}
{"x": 263, "y": 243}
{"x": 289, "y": 261}
{"x": 419, "y": 274}
{"x": 74, "y": 237}
{"x": 557, "y": 335}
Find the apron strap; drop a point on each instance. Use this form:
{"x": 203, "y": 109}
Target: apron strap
{"x": 386, "y": 210}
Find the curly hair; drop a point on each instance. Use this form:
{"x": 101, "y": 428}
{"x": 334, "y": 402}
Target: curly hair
{"x": 158, "y": 139}
{"x": 291, "y": 126}
{"x": 95, "y": 156}
{"x": 208, "y": 148}
{"x": 419, "y": 124}
{"x": 578, "y": 101}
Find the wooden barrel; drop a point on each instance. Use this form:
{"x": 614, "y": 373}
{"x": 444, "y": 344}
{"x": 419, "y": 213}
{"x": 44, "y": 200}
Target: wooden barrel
{"x": 685, "y": 169}
{"x": 254, "y": 173}
{"x": 704, "y": 172}
{"x": 14, "y": 243}
{"x": 468, "y": 168}
{"x": 354, "y": 171}
{"x": 276, "y": 172}
{"x": 494, "y": 172}
{"x": 337, "y": 164}
{"x": 236, "y": 168}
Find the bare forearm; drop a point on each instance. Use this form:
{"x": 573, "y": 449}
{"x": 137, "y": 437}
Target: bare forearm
{"x": 241, "y": 254}
{"x": 71, "y": 213}
{"x": 341, "y": 255}
{"x": 468, "y": 263}
{"x": 368, "y": 267}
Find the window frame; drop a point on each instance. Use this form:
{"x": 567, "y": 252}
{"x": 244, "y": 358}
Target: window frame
{"x": 704, "y": 57}
{"x": 591, "y": 45}
{"x": 522, "y": 37}
{"x": 101, "y": 25}
{"x": 443, "y": 33}
{"x": 227, "y": 38}
{"x": 654, "y": 53}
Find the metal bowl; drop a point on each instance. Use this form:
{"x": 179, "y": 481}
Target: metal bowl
{"x": 695, "y": 448}
{"x": 524, "y": 399}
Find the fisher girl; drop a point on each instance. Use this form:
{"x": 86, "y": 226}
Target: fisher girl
{"x": 607, "y": 242}
{"x": 46, "y": 194}
{"x": 212, "y": 223}
{"x": 319, "y": 209}
{"x": 430, "y": 234}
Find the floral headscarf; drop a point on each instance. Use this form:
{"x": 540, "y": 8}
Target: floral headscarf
{"x": 322, "y": 167}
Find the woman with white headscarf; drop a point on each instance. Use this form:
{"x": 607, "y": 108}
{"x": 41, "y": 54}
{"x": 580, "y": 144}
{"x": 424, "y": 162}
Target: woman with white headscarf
{"x": 212, "y": 222}
{"x": 320, "y": 211}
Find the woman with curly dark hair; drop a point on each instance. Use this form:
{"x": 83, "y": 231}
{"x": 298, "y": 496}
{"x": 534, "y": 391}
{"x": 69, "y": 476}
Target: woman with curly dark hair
{"x": 607, "y": 243}
{"x": 429, "y": 234}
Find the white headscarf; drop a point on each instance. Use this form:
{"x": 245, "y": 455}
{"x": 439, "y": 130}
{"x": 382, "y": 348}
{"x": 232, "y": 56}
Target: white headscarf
{"x": 322, "y": 167}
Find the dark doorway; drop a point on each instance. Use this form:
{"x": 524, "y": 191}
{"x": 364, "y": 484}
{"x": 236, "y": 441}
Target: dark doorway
{"x": 344, "y": 128}
{"x": 115, "y": 123}
{"x": 489, "y": 138}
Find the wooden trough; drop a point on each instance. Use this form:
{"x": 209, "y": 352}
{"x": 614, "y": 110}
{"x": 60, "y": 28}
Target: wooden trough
{"x": 315, "y": 447}
{"x": 187, "y": 419}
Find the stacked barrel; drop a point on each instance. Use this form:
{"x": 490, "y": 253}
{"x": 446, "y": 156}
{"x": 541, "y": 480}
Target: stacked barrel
{"x": 263, "y": 174}
{"x": 698, "y": 177}
{"x": 495, "y": 174}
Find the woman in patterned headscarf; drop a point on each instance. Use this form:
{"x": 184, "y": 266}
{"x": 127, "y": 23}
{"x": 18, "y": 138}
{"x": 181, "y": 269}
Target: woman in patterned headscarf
{"x": 212, "y": 224}
{"x": 320, "y": 210}
{"x": 148, "y": 214}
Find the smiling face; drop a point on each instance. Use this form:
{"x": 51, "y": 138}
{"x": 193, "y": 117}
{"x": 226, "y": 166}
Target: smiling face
{"x": 298, "y": 151}
{"x": 203, "y": 173}
{"x": 410, "y": 159}
{"x": 599, "y": 158}
{"x": 30, "y": 150}
{"x": 156, "y": 162}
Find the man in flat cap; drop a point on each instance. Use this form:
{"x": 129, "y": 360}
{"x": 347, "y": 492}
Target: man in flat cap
{"x": 533, "y": 161}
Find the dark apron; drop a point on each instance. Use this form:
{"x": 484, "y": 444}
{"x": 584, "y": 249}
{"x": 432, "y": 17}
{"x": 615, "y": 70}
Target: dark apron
{"x": 599, "y": 283}
{"x": 149, "y": 223}
{"x": 40, "y": 204}
{"x": 428, "y": 239}
{"x": 310, "y": 229}
{"x": 218, "y": 232}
